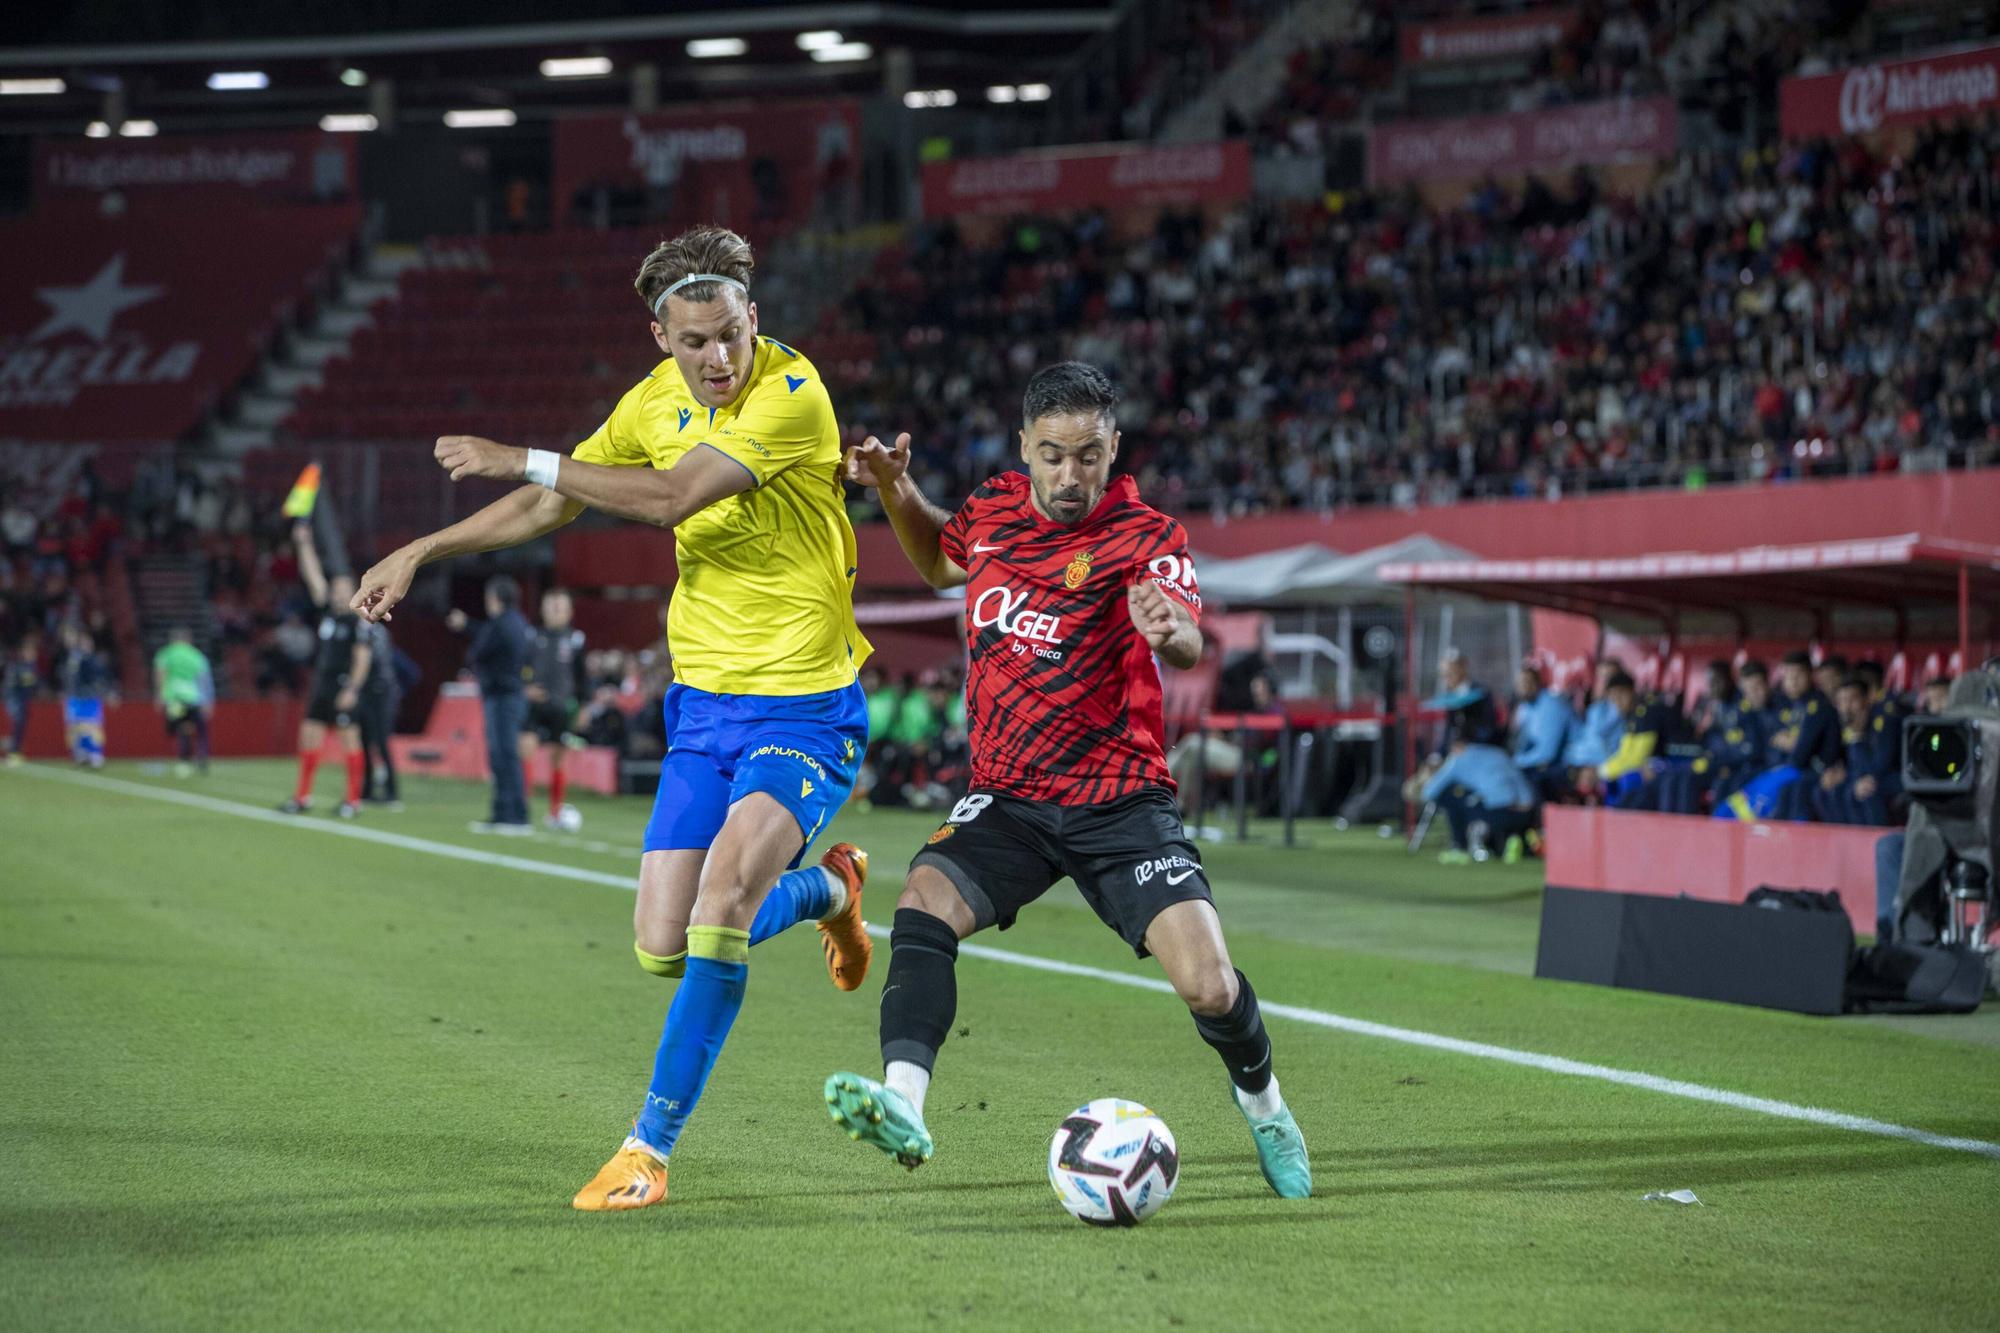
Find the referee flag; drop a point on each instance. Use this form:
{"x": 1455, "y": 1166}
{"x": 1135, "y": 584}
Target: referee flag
{"x": 305, "y": 493}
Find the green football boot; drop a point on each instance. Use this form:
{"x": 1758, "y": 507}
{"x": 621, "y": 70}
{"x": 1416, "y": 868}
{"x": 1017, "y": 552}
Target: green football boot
{"x": 878, "y": 1115}
{"x": 1281, "y": 1152}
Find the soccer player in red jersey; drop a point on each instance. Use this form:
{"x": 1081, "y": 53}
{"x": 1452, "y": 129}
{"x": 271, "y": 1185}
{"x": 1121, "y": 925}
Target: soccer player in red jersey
{"x": 1073, "y": 586}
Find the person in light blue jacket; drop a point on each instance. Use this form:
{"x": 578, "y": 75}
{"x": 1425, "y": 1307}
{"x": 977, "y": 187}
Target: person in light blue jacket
{"x": 1486, "y": 798}
{"x": 1597, "y": 739}
{"x": 1544, "y": 722}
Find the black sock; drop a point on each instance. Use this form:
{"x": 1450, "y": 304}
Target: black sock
{"x": 920, "y": 999}
{"x": 1238, "y": 1037}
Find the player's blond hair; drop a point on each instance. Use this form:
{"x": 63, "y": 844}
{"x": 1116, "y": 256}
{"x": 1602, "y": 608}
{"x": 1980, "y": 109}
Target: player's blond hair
{"x": 716, "y": 250}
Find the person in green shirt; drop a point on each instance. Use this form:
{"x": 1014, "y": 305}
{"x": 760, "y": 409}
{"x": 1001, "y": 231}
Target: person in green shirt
{"x": 185, "y": 688}
{"x": 916, "y": 724}
{"x": 882, "y": 701}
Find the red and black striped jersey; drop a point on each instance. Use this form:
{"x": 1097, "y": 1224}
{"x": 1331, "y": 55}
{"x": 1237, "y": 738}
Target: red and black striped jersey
{"x": 1062, "y": 693}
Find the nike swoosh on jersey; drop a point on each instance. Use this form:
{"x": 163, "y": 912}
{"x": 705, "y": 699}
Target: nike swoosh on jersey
{"x": 1175, "y": 879}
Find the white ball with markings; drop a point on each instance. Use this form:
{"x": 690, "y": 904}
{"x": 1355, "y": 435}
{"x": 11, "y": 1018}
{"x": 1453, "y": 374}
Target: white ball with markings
{"x": 569, "y": 819}
{"x": 1113, "y": 1163}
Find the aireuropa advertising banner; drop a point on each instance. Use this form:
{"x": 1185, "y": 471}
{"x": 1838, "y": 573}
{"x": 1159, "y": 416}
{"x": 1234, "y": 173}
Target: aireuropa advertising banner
{"x": 743, "y": 167}
{"x": 300, "y": 165}
{"x": 1890, "y": 94}
{"x": 1498, "y": 37}
{"x": 1589, "y": 134}
{"x": 1071, "y": 178}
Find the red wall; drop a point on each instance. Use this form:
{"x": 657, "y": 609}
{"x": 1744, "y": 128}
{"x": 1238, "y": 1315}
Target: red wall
{"x": 135, "y": 730}
{"x": 1961, "y": 505}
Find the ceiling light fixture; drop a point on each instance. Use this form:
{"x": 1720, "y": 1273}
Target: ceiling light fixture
{"x": 479, "y": 118}
{"x": 717, "y": 48}
{"x": 577, "y": 67}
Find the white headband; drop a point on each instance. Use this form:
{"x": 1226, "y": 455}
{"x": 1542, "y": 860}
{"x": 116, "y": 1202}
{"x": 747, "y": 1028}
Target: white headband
{"x": 696, "y": 277}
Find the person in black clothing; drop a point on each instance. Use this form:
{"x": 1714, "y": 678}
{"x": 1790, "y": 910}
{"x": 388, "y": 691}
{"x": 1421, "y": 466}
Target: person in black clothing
{"x": 381, "y": 695}
{"x": 555, "y": 688}
{"x": 1865, "y": 786}
{"x": 499, "y": 658}
{"x": 20, "y": 681}
{"x": 1470, "y": 714}
{"x": 1808, "y": 735}
{"x": 341, "y": 672}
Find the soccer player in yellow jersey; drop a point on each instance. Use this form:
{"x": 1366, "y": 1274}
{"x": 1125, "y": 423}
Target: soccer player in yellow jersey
{"x": 732, "y": 443}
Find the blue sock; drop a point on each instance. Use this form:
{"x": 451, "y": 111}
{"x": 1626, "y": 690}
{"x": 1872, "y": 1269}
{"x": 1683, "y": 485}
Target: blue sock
{"x": 802, "y": 895}
{"x": 698, "y": 1022}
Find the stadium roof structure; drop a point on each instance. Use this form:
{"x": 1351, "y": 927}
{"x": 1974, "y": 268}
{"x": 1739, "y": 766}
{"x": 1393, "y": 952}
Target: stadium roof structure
{"x": 1905, "y": 586}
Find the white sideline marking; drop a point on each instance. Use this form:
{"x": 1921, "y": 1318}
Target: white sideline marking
{"x": 337, "y": 828}
{"x": 1553, "y": 1064}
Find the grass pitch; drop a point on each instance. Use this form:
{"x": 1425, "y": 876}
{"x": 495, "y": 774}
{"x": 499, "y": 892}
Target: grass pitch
{"x": 257, "y": 1077}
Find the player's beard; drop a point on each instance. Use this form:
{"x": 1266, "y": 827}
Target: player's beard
{"x": 1067, "y": 507}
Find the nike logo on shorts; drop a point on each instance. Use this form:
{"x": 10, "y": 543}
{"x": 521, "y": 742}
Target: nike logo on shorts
{"x": 1175, "y": 879}
{"x": 980, "y": 548}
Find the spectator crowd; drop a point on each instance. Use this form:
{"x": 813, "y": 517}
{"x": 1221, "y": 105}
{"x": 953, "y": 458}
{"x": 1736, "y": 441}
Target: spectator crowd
{"x": 1816, "y": 309}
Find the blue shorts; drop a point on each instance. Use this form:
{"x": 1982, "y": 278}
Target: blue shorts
{"x": 803, "y": 750}
{"x": 83, "y": 712}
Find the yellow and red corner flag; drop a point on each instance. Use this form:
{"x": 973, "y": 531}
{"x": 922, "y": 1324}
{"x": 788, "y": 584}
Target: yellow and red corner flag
{"x": 305, "y": 493}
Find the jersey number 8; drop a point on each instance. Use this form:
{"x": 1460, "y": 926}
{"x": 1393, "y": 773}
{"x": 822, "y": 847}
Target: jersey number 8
{"x": 968, "y": 809}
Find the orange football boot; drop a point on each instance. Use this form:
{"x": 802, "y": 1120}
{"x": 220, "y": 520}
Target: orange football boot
{"x": 634, "y": 1178}
{"x": 843, "y": 937}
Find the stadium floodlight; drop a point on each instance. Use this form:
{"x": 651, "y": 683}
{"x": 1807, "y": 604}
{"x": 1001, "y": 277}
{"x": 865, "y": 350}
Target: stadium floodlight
{"x": 139, "y": 129}
{"x": 479, "y": 118}
{"x": 576, "y": 67}
{"x": 916, "y": 99}
{"x": 354, "y": 78}
{"x": 1033, "y": 92}
{"x": 31, "y": 87}
{"x": 356, "y": 123}
{"x": 827, "y": 55}
{"x": 717, "y": 48}
{"x": 97, "y": 129}
{"x": 238, "y": 81}
{"x": 818, "y": 41}
{"x": 1001, "y": 92}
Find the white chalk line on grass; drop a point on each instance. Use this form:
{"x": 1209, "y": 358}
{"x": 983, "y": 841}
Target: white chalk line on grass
{"x": 338, "y": 828}
{"x": 1553, "y": 1064}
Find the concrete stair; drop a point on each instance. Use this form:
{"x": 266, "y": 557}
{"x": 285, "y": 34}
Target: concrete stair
{"x": 170, "y": 590}
{"x": 1257, "y": 75}
{"x": 298, "y": 362}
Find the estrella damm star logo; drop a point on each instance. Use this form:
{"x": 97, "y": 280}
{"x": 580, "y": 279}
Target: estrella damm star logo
{"x": 1079, "y": 569}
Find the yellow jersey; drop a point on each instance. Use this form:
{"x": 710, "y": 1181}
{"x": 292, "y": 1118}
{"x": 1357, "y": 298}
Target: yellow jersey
{"x": 765, "y": 601}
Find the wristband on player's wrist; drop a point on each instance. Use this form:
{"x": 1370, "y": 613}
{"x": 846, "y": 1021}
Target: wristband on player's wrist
{"x": 541, "y": 467}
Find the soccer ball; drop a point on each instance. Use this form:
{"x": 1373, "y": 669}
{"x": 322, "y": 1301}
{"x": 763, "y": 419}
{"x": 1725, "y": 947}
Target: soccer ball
{"x": 1113, "y": 1163}
{"x": 569, "y": 819}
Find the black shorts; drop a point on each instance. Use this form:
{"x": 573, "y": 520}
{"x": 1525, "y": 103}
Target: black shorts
{"x": 180, "y": 716}
{"x": 1130, "y": 858}
{"x": 324, "y": 707}
{"x": 548, "y": 720}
